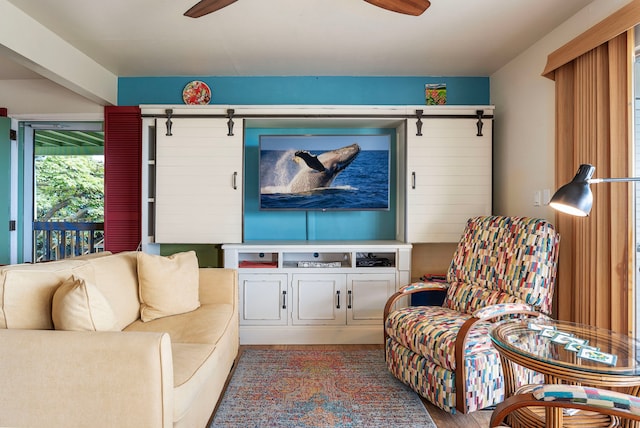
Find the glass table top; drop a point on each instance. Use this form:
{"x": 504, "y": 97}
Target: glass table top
{"x": 569, "y": 345}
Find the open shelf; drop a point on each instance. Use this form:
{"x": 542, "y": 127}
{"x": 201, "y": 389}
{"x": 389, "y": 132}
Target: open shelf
{"x": 252, "y": 260}
{"x": 357, "y": 256}
{"x": 316, "y": 260}
{"x": 316, "y": 257}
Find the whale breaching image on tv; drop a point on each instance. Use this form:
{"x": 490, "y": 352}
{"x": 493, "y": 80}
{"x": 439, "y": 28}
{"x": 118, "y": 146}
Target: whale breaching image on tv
{"x": 324, "y": 172}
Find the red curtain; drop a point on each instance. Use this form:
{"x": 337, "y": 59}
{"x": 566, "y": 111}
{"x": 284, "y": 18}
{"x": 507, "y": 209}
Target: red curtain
{"x": 122, "y": 178}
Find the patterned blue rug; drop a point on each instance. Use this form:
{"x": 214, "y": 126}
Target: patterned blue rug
{"x": 308, "y": 388}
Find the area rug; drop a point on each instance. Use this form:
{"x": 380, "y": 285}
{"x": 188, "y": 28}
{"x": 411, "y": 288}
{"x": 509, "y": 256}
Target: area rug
{"x": 311, "y": 388}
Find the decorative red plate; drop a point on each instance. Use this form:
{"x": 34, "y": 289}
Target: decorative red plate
{"x": 196, "y": 92}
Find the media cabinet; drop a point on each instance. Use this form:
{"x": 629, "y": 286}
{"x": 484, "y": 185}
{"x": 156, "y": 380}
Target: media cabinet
{"x": 316, "y": 292}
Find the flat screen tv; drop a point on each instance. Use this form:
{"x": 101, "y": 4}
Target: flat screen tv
{"x": 324, "y": 172}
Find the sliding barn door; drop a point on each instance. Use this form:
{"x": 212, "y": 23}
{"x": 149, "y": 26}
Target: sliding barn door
{"x": 449, "y": 177}
{"x": 198, "y": 182}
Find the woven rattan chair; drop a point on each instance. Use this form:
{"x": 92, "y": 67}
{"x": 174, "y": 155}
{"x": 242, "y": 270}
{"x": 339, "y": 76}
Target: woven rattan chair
{"x": 502, "y": 265}
{"x": 571, "y": 397}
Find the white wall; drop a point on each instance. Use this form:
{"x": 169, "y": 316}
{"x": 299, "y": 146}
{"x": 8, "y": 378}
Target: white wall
{"x": 42, "y": 97}
{"x": 524, "y": 133}
{"x": 52, "y": 57}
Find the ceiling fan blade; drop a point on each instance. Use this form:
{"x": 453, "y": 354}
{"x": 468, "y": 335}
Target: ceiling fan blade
{"x": 407, "y": 7}
{"x": 205, "y": 7}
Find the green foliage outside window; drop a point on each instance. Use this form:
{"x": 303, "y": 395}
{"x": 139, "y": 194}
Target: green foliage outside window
{"x": 69, "y": 188}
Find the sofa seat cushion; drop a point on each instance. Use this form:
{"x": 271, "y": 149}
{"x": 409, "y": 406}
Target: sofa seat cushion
{"x": 193, "y": 366}
{"x": 205, "y": 325}
{"x": 431, "y": 332}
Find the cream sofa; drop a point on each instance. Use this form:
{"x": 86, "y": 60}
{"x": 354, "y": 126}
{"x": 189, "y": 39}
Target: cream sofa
{"x": 166, "y": 372}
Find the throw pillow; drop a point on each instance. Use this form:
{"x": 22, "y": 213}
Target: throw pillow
{"x": 168, "y": 285}
{"x": 78, "y": 305}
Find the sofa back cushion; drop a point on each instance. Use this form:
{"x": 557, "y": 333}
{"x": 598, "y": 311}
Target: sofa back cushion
{"x": 26, "y": 293}
{"x": 516, "y": 256}
{"x": 116, "y": 277}
{"x": 26, "y": 290}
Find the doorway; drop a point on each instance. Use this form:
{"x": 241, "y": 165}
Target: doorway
{"x": 66, "y": 170}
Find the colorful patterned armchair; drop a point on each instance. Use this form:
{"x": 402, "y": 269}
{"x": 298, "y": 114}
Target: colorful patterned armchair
{"x": 502, "y": 266}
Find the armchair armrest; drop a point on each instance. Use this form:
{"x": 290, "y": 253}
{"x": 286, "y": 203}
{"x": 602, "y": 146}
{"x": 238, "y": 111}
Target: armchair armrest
{"x": 406, "y": 291}
{"x": 423, "y": 286}
{"x": 573, "y": 397}
{"x": 483, "y": 314}
{"x": 65, "y": 378}
{"x": 502, "y": 309}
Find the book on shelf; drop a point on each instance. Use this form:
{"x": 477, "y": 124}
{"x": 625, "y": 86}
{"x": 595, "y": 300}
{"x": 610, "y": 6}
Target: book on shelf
{"x": 252, "y": 264}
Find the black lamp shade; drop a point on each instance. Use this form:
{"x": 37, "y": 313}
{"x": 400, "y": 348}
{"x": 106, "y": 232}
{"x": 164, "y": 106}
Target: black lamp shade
{"x": 575, "y": 197}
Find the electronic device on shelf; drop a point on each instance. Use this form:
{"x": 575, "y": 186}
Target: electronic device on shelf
{"x": 320, "y": 264}
{"x": 373, "y": 262}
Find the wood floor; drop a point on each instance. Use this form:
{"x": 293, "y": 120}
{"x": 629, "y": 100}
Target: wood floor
{"x": 442, "y": 419}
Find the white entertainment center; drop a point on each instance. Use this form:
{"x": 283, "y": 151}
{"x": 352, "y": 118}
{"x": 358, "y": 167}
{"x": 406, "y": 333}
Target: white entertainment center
{"x": 321, "y": 292}
{"x": 312, "y": 291}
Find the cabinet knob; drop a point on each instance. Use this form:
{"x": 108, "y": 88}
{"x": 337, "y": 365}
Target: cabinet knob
{"x": 235, "y": 180}
{"x": 284, "y": 299}
{"x": 349, "y": 299}
{"x": 338, "y": 295}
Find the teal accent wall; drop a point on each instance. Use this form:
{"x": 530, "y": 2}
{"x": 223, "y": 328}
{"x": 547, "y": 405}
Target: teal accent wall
{"x": 312, "y": 225}
{"x": 306, "y": 90}
{"x": 5, "y": 190}
{"x": 329, "y": 90}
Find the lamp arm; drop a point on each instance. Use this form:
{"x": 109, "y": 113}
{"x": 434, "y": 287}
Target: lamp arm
{"x": 611, "y": 180}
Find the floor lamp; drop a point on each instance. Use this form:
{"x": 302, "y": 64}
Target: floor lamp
{"x": 575, "y": 197}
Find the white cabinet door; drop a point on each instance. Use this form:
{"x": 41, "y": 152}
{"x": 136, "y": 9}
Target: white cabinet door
{"x": 319, "y": 299}
{"x": 448, "y": 178}
{"x": 263, "y": 299}
{"x": 367, "y": 294}
{"x": 198, "y": 195}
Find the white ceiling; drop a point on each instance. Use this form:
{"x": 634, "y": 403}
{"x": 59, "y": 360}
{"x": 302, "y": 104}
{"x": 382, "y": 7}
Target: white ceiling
{"x": 296, "y": 37}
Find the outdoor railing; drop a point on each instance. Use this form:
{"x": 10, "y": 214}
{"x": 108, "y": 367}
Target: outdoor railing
{"x": 55, "y": 240}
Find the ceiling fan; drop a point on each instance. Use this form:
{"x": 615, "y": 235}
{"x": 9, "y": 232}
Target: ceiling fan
{"x": 407, "y": 7}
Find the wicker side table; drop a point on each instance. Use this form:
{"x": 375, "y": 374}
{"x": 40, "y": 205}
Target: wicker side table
{"x": 542, "y": 346}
